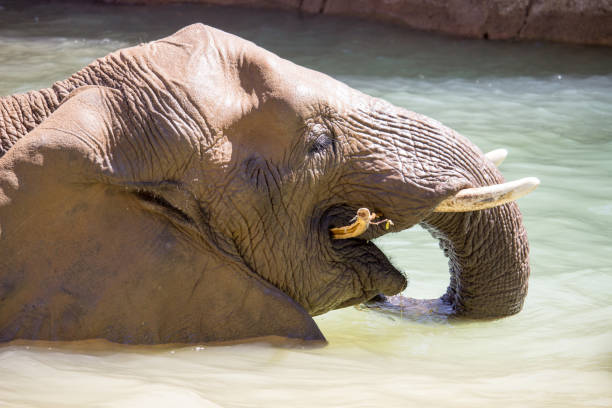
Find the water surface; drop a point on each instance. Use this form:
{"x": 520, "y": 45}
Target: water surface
{"x": 550, "y": 105}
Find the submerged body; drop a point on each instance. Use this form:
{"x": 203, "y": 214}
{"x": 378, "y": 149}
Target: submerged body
{"x": 123, "y": 192}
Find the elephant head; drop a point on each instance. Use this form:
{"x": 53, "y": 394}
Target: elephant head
{"x": 183, "y": 191}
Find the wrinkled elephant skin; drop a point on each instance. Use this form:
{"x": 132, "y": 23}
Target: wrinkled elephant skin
{"x": 183, "y": 190}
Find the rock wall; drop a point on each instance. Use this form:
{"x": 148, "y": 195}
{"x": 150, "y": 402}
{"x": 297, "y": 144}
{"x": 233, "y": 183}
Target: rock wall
{"x": 572, "y": 21}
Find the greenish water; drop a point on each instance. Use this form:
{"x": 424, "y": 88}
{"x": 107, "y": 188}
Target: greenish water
{"x": 550, "y": 105}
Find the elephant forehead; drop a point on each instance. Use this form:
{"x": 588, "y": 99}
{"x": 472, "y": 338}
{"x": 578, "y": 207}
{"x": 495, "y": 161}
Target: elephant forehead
{"x": 307, "y": 90}
{"x": 229, "y": 76}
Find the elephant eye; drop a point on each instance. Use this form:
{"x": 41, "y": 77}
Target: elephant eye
{"x": 320, "y": 139}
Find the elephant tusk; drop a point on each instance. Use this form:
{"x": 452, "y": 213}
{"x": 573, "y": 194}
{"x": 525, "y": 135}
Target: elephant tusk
{"x": 480, "y": 198}
{"x": 364, "y": 219}
{"x": 497, "y": 156}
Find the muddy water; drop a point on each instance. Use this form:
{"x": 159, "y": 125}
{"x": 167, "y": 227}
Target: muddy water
{"x": 549, "y": 105}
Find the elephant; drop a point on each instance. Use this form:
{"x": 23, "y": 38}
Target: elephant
{"x": 183, "y": 191}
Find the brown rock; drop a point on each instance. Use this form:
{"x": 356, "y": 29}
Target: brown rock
{"x": 505, "y": 18}
{"x": 496, "y": 19}
{"x": 461, "y": 17}
{"x": 278, "y": 4}
{"x": 574, "y": 21}
{"x": 312, "y": 6}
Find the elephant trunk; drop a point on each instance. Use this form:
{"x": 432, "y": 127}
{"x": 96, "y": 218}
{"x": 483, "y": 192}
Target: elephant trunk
{"x": 487, "y": 247}
{"x": 488, "y": 259}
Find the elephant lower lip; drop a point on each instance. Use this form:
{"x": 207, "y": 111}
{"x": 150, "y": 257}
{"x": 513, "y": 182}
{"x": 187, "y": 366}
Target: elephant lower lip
{"x": 375, "y": 273}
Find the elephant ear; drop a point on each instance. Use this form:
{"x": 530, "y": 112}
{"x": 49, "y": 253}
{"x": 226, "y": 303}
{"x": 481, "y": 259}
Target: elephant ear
{"x": 83, "y": 256}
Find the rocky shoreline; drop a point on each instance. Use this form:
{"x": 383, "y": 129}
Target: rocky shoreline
{"x": 569, "y": 21}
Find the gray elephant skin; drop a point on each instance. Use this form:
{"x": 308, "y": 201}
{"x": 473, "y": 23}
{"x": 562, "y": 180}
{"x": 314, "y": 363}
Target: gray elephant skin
{"x": 183, "y": 190}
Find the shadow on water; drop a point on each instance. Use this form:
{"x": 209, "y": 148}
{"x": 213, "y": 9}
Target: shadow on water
{"x": 427, "y": 311}
{"x": 102, "y": 347}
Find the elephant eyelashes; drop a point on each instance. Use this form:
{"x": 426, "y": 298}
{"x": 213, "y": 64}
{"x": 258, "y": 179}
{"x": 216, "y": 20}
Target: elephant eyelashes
{"x": 320, "y": 145}
{"x": 321, "y": 140}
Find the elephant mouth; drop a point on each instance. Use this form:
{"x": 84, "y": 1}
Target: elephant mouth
{"x": 342, "y": 215}
{"x": 375, "y": 273}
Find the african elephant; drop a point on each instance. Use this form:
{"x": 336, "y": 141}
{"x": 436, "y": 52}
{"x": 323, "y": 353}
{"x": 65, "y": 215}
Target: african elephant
{"x": 183, "y": 191}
